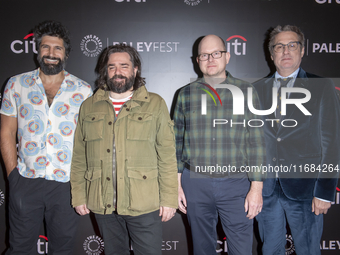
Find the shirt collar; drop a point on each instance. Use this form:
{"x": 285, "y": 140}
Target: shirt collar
{"x": 292, "y": 75}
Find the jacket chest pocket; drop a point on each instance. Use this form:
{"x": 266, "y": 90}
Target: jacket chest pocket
{"x": 93, "y": 126}
{"x": 139, "y": 126}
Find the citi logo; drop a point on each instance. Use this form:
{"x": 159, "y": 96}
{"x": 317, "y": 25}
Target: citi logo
{"x": 42, "y": 245}
{"x": 327, "y": 1}
{"x": 223, "y": 246}
{"x": 239, "y": 47}
{"x": 26, "y": 46}
{"x": 337, "y": 197}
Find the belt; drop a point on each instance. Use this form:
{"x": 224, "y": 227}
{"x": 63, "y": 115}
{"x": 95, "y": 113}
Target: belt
{"x": 217, "y": 174}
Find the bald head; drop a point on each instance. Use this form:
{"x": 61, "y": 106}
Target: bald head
{"x": 211, "y": 40}
{"x": 215, "y": 58}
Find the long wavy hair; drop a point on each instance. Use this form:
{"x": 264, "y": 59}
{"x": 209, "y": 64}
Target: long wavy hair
{"x": 101, "y": 68}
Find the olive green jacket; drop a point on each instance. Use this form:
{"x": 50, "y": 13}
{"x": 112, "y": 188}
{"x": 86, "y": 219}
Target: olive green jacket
{"x": 146, "y": 168}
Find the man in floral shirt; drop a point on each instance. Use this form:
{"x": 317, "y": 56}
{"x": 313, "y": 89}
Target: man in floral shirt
{"x": 40, "y": 111}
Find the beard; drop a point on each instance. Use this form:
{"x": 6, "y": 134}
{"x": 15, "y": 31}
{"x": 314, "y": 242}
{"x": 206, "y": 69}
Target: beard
{"x": 121, "y": 86}
{"x": 51, "y": 69}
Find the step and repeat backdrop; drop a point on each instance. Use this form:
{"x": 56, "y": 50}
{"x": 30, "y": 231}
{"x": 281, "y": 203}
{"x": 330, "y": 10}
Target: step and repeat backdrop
{"x": 165, "y": 33}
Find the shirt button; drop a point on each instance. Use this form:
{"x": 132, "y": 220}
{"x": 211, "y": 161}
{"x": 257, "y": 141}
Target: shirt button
{"x": 108, "y": 206}
{"x": 124, "y": 105}
{"x": 279, "y": 139}
{"x": 93, "y": 118}
{"x": 140, "y": 118}
{"x": 144, "y": 177}
{"x": 274, "y": 159}
{"x": 110, "y": 123}
{"x": 127, "y": 109}
{"x": 108, "y": 178}
{"x": 108, "y": 150}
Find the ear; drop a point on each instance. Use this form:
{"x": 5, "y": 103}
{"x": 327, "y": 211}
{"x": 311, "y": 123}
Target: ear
{"x": 227, "y": 57}
{"x": 302, "y": 51}
{"x": 271, "y": 56}
{"x": 135, "y": 70}
{"x": 197, "y": 60}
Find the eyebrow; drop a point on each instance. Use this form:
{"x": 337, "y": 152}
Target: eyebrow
{"x": 122, "y": 64}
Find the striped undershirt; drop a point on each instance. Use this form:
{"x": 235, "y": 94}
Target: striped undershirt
{"x": 118, "y": 103}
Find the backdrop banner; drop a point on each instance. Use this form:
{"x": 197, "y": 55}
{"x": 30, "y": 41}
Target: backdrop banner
{"x": 165, "y": 33}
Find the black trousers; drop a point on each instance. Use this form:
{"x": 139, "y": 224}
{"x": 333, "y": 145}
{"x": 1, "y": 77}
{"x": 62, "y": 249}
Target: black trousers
{"x": 145, "y": 232}
{"x": 32, "y": 200}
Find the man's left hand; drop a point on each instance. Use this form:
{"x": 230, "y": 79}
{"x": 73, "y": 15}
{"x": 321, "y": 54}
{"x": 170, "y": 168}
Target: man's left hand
{"x": 319, "y": 206}
{"x": 166, "y": 212}
{"x": 253, "y": 203}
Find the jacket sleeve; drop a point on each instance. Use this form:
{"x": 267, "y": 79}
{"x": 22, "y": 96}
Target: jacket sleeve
{"x": 166, "y": 158}
{"x": 329, "y": 122}
{"x": 78, "y": 165}
{"x": 256, "y": 149}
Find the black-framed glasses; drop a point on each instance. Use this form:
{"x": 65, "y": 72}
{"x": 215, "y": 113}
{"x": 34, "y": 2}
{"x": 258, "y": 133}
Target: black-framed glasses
{"x": 215, "y": 55}
{"x": 292, "y": 46}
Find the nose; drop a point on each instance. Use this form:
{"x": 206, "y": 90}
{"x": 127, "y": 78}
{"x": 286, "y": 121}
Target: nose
{"x": 117, "y": 71}
{"x": 285, "y": 49}
{"x": 51, "y": 52}
{"x": 210, "y": 58}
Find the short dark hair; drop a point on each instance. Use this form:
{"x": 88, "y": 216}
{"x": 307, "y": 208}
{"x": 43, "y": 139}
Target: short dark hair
{"x": 52, "y": 28}
{"x": 287, "y": 28}
{"x": 101, "y": 67}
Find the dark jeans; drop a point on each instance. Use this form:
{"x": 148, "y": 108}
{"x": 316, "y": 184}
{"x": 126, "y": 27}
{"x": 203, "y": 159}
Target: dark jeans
{"x": 207, "y": 198}
{"x": 32, "y": 200}
{"x": 145, "y": 232}
{"x": 305, "y": 226}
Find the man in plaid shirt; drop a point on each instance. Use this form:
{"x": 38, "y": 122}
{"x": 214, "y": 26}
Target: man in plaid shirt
{"x": 214, "y": 148}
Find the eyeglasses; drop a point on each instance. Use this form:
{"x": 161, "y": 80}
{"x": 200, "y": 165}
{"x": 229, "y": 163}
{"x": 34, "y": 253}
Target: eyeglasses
{"x": 292, "y": 46}
{"x": 215, "y": 55}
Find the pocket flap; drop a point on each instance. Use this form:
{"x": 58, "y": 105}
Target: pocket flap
{"x": 140, "y": 117}
{"x": 94, "y": 117}
{"x": 143, "y": 175}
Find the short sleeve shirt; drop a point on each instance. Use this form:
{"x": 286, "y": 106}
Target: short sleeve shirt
{"x": 45, "y": 133}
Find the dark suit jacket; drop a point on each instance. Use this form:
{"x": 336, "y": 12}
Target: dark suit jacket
{"x": 315, "y": 140}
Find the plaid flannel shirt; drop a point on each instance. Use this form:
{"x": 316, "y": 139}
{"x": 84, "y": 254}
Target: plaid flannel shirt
{"x": 235, "y": 143}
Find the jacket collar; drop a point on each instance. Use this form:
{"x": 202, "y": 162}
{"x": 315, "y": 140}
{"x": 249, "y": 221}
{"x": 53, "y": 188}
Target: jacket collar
{"x": 301, "y": 78}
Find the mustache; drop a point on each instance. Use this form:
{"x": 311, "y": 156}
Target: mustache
{"x": 118, "y": 76}
{"x": 51, "y": 58}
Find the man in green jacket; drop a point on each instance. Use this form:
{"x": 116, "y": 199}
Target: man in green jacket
{"x": 124, "y": 163}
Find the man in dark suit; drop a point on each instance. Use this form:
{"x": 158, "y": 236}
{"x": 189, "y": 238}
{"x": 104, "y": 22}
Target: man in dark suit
{"x": 302, "y": 145}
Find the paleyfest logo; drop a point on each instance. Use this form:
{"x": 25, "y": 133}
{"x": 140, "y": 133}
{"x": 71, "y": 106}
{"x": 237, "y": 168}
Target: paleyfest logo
{"x": 238, "y": 104}
{"x": 93, "y": 245}
{"x": 2, "y": 198}
{"x": 192, "y": 2}
{"x": 91, "y": 46}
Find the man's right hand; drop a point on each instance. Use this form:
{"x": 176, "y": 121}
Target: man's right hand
{"x": 82, "y": 209}
{"x": 182, "y": 202}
